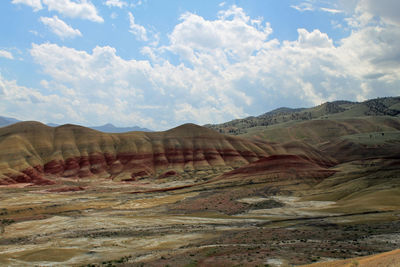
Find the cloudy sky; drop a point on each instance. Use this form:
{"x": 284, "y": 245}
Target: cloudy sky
{"x": 158, "y": 64}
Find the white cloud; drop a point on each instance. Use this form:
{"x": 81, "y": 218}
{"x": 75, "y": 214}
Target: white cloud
{"x": 373, "y": 42}
{"x": 313, "y": 39}
{"x": 225, "y": 68}
{"x": 35, "y": 4}
{"x": 83, "y": 9}
{"x": 115, "y": 3}
{"x": 103, "y": 78}
{"x": 60, "y": 28}
{"x": 44, "y": 83}
{"x": 138, "y": 30}
{"x": 137, "y": 3}
{"x": 386, "y": 10}
{"x": 6, "y": 54}
{"x": 331, "y": 10}
{"x": 106, "y": 86}
{"x": 315, "y": 5}
{"x": 379, "y": 53}
{"x": 369, "y": 12}
{"x": 230, "y": 37}
{"x": 29, "y": 104}
{"x": 303, "y": 7}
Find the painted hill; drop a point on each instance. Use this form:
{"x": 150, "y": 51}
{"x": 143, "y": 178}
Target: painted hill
{"x": 282, "y": 167}
{"x": 31, "y": 152}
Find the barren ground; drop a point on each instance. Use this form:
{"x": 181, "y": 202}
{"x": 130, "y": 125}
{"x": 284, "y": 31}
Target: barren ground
{"x": 105, "y": 223}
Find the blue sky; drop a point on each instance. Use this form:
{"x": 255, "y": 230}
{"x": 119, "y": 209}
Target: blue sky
{"x": 158, "y": 64}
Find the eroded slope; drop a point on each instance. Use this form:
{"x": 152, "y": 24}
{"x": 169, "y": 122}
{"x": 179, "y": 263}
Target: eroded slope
{"x": 31, "y": 152}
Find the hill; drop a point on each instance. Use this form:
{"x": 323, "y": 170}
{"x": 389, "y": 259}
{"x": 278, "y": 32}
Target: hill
{"x": 364, "y": 139}
{"x": 389, "y": 106}
{"x": 33, "y": 152}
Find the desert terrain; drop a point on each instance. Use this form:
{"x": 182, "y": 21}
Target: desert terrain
{"x": 290, "y": 187}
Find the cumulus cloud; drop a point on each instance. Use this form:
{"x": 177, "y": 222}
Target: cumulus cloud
{"x": 83, "y": 9}
{"x": 6, "y": 54}
{"x": 27, "y": 103}
{"x": 373, "y": 42}
{"x": 35, "y": 4}
{"x": 102, "y": 84}
{"x": 60, "y": 28}
{"x": 386, "y": 10}
{"x": 115, "y": 3}
{"x": 138, "y": 30}
{"x": 231, "y": 37}
{"x": 364, "y": 13}
{"x": 313, "y": 39}
{"x": 226, "y": 68}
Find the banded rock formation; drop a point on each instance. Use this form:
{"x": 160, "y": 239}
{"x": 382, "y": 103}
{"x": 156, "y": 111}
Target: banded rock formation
{"x": 31, "y": 152}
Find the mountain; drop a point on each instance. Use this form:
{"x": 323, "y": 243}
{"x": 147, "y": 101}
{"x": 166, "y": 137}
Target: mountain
{"x": 109, "y": 128}
{"x": 4, "y": 121}
{"x": 388, "y": 106}
{"x": 52, "y": 124}
{"x": 106, "y": 128}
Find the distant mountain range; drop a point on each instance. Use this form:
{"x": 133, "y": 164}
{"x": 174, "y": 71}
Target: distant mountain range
{"x": 106, "y": 128}
{"x": 4, "y": 121}
{"x": 109, "y": 128}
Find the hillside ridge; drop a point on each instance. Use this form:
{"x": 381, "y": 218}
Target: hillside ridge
{"x": 387, "y": 106}
{"x": 33, "y": 152}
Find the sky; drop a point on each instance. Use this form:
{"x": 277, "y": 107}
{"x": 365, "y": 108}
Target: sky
{"x": 158, "y": 64}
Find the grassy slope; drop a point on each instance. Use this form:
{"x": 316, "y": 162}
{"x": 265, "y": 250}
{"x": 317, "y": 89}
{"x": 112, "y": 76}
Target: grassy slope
{"x": 322, "y": 130}
{"x": 363, "y": 137}
{"x": 333, "y": 110}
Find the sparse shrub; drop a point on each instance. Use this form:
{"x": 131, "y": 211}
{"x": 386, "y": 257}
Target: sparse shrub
{"x": 192, "y": 263}
{"x": 211, "y": 251}
{"x": 7, "y": 221}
